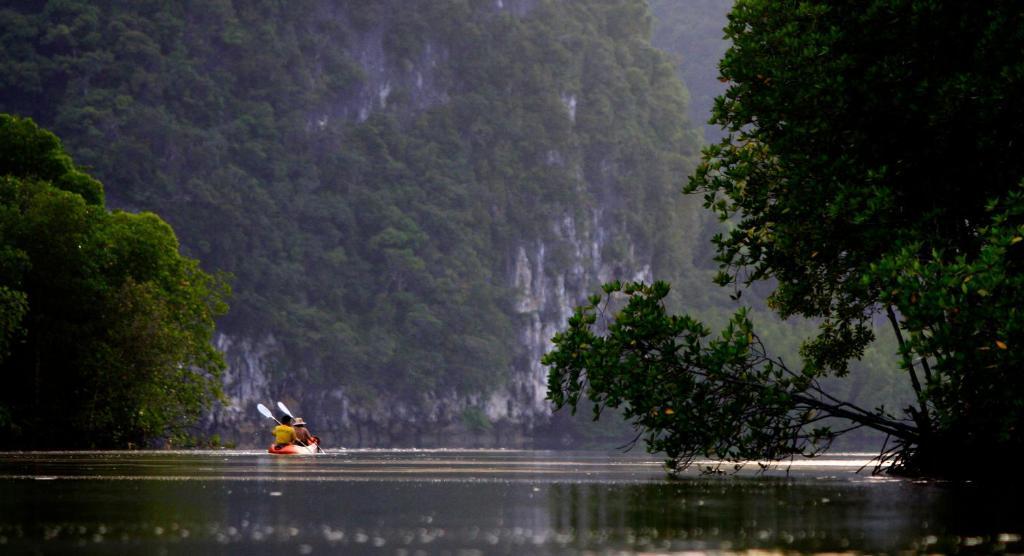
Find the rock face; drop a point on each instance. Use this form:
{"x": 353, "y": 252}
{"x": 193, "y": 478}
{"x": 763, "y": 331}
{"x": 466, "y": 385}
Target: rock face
{"x": 545, "y": 297}
{"x": 547, "y": 271}
{"x": 411, "y": 195}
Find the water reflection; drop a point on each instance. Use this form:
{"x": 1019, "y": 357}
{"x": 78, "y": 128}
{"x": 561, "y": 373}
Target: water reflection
{"x": 796, "y": 514}
{"x": 390, "y": 502}
{"x": 725, "y": 514}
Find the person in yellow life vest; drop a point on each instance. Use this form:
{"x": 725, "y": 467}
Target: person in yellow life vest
{"x": 284, "y": 434}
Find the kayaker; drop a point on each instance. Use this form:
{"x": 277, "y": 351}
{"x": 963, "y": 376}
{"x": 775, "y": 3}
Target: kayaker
{"x": 284, "y": 434}
{"x": 302, "y": 434}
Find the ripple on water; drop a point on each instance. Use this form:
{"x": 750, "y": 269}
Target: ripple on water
{"x": 479, "y": 502}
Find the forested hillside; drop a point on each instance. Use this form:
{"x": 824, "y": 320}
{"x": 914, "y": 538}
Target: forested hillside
{"x": 409, "y": 195}
{"x": 691, "y": 31}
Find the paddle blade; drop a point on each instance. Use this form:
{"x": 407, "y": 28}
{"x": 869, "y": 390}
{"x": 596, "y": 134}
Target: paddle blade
{"x": 263, "y": 409}
{"x": 284, "y": 409}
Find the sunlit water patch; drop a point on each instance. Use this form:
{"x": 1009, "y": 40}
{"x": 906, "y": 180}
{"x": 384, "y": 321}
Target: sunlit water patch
{"x": 479, "y": 502}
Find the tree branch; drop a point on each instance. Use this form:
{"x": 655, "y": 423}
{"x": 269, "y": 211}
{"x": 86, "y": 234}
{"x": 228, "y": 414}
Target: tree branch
{"x": 925, "y": 418}
{"x": 893, "y": 428}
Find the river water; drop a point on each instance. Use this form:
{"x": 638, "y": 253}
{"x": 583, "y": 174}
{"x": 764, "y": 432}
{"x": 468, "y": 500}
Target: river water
{"x": 480, "y": 502}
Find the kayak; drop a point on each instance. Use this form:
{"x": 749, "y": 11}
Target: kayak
{"x": 293, "y": 450}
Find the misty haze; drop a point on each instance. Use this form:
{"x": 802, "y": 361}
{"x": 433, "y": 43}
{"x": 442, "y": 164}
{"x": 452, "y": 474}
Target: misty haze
{"x": 511, "y": 276}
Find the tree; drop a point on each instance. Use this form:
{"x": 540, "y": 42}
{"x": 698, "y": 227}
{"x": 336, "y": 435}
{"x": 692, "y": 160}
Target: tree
{"x": 871, "y": 170}
{"x": 106, "y": 327}
{"x": 370, "y": 239}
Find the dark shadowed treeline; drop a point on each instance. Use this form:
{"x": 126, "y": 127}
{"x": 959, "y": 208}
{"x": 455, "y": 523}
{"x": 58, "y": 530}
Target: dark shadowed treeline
{"x": 871, "y": 173}
{"x": 692, "y": 32}
{"x": 106, "y": 329}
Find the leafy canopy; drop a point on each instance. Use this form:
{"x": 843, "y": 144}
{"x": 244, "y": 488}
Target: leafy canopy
{"x": 870, "y": 170}
{"x": 106, "y": 328}
{"x": 855, "y": 131}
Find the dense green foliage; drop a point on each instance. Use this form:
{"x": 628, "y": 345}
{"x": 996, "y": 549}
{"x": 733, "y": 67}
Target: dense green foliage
{"x": 106, "y": 328}
{"x": 871, "y": 170}
{"x": 692, "y": 33}
{"x": 962, "y": 317}
{"x": 376, "y": 252}
{"x": 687, "y": 393}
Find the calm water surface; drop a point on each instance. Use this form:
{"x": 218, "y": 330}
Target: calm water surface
{"x": 479, "y": 502}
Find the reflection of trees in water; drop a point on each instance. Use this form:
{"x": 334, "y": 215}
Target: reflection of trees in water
{"x": 352, "y": 503}
{"x": 763, "y": 512}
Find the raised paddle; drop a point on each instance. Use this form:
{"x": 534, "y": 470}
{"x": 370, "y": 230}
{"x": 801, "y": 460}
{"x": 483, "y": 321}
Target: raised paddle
{"x": 284, "y": 409}
{"x": 266, "y": 412}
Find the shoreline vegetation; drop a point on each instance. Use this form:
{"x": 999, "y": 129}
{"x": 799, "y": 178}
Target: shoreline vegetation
{"x": 872, "y": 172}
{"x": 393, "y": 241}
{"x": 869, "y": 174}
{"x": 107, "y": 329}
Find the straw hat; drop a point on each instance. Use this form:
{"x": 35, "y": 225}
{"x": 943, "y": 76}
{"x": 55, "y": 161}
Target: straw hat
{"x": 298, "y": 422}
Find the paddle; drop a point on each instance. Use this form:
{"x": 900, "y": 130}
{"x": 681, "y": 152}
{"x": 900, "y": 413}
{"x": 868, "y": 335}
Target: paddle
{"x": 286, "y": 411}
{"x": 266, "y": 412}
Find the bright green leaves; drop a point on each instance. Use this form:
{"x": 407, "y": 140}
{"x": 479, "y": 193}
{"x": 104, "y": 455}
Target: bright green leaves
{"x": 31, "y": 153}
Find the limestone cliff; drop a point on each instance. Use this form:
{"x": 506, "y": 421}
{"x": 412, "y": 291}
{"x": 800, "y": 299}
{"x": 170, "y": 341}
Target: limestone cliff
{"x": 410, "y": 195}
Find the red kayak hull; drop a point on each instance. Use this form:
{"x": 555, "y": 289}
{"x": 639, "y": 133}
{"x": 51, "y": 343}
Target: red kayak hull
{"x": 293, "y": 450}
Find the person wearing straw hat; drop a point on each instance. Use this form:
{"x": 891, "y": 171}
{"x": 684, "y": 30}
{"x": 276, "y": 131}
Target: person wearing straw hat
{"x": 302, "y": 434}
